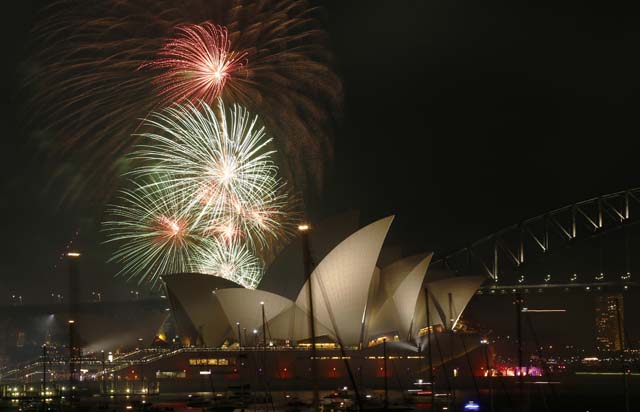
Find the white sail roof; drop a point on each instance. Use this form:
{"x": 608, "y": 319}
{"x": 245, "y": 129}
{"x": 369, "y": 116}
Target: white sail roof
{"x": 443, "y": 310}
{"x": 294, "y": 324}
{"x": 198, "y": 314}
{"x": 285, "y": 275}
{"x": 395, "y": 301}
{"x": 353, "y": 299}
{"x": 340, "y": 283}
{"x": 244, "y": 306}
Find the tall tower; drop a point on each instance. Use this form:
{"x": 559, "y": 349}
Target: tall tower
{"x": 609, "y": 329}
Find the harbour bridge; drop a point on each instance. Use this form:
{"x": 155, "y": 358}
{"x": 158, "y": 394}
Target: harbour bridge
{"x": 588, "y": 245}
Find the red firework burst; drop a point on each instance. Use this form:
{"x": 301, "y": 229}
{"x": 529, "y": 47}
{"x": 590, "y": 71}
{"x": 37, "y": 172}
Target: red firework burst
{"x": 97, "y": 67}
{"x": 196, "y": 64}
{"x": 170, "y": 228}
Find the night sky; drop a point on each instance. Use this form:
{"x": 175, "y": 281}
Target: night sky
{"x": 460, "y": 118}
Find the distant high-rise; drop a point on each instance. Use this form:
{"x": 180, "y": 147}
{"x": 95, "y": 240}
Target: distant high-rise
{"x": 609, "y": 329}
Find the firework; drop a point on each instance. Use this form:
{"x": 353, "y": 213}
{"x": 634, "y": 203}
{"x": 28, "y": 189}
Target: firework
{"x": 221, "y": 162}
{"x": 98, "y": 67}
{"x": 154, "y": 234}
{"x": 196, "y": 65}
{"x": 232, "y": 261}
{"x": 206, "y": 196}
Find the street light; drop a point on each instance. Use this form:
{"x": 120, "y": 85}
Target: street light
{"x": 72, "y": 353}
{"x": 73, "y": 258}
{"x": 239, "y": 337}
{"x": 44, "y": 371}
{"x": 303, "y": 228}
{"x": 142, "y": 375}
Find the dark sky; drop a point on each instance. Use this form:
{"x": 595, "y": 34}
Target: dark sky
{"x": 460, "y": 118}
{"x": 463, "y": 118}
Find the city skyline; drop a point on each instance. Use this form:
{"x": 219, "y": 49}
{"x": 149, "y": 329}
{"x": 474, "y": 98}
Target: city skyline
{"x": 319, "y": 205}
{"x": 460, "y": 119}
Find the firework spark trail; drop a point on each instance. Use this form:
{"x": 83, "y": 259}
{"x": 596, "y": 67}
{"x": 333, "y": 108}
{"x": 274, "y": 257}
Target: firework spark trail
{"x": 196, "y": 64}
{"x": 223, "y": 165}
{"x": 88, "y": 91}
{"x": 155, "y": 235}
{"x": 232, "y": 261}
{"x": 206, "y": 196}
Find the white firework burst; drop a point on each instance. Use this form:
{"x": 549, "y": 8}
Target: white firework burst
{"x": 220, "y": 160}
{"x": 153, "y": 232}
{"x": 230, "y": 260}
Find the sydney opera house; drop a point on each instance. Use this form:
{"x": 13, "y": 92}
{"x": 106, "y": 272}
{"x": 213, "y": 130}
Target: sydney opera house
{"x": 356, "y": 302}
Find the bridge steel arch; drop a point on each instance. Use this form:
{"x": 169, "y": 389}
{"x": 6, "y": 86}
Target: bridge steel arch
{"x": 504, "y": 255}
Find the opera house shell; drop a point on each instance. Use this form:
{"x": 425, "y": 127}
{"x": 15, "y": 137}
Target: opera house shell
{"x": 356, "y": 303}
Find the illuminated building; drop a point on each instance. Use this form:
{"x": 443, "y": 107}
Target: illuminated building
{"x": 609, "y": 328}
{"x": 356, "y": 303}
{"x": 364, "y": 313}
